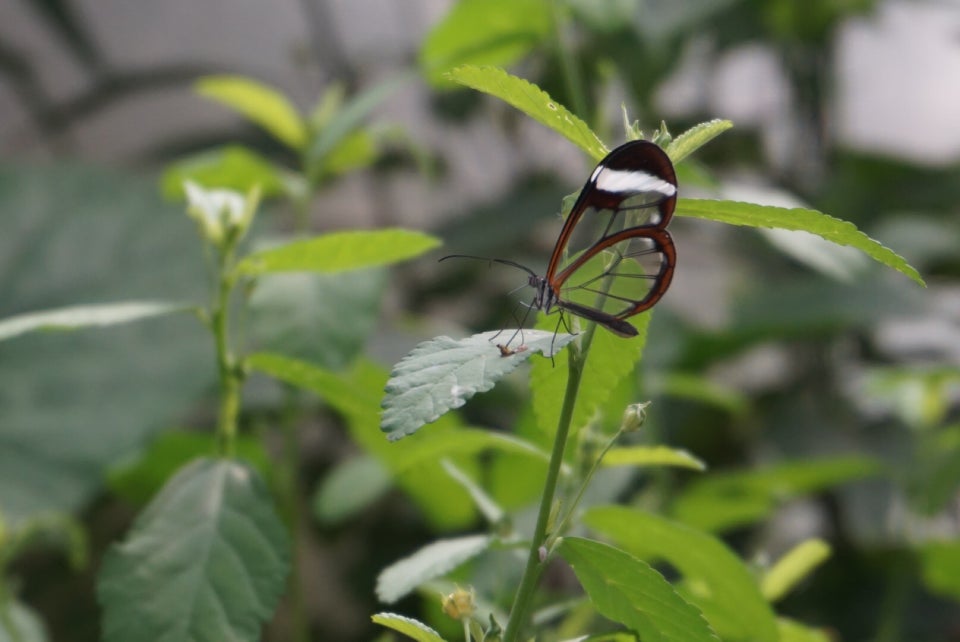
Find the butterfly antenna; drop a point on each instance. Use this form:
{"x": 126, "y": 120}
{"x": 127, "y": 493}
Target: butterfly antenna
{"x": 484, "y": 258}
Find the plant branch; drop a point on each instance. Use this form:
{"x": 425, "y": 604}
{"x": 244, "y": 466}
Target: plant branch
{"x": 534, "y": 565}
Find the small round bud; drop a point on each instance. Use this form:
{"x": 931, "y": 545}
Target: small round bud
{"x": 460, "y": 605}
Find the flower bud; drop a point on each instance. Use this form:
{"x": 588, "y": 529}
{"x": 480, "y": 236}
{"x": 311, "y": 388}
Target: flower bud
{"x": 460, "y": 605}
{"x": 634, "y": 416}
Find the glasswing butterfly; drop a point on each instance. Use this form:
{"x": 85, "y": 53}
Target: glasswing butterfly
{"x": 614, "y": 257}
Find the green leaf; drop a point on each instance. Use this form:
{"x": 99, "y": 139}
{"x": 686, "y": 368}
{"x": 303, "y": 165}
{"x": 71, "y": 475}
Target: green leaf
{"x": 348, "y": 119}
{"x": 466, "y": 441}
{"x": 433, "y": 560}
{"x": 721, "y": 501}
{"x": 323, "y": 318}
{"x": 356, "y": 150}
{"x": 793, "y": 567}
{"x": 442, "y": 373}
{"x": 611, "y": 359}
{"x": 941, "y": 567}
{"x": 652, "y": 456}
{"x": 791, "y": 631}
{"x": 206, "y": 561}
{"x": 533, "y": 102}
{"x": 626, "y": 590}
{"x": 695, "y": 138}
{"x": 409, "y": 627}
{"x": 72, "y": 404}
{"x": 701, "y": 389}
{"x": 261, "y": 104}
{"x": 85, "y": 316}
{"x": 350, "y": 487}
{"x": 484, "y": 32}
{"x": 356, "y": 394}
{"x": 140, "y": 478}
{"x": 232, "y": 167}
{"x": 27, "y": 625}
{"x": 812, "y": 221}
{"x": 339, "y": 251}
{"x": 704, "y": 561}
{"x": 487, "y": 506}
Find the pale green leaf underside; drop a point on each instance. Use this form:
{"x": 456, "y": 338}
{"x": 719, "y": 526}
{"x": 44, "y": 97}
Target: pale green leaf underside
{"x": 702, "y": 559}
{"x": 532, "y": 101}
{"x": 793, "y": 567}
{"x": 85, "y": 316}
{"x": 652, "y": 456}
{"x": 825, "y": 226}
{"x": 339, "y": 251}
{"x": 792, "y": 631}
{"x": 411, "y": 628}
{"x": 695, "y": 138}
{"x": 263, "y": 105}
{"x": 442, "y": 373}
{"x": 431, "y": 561}
{"x": 626, "y": 590}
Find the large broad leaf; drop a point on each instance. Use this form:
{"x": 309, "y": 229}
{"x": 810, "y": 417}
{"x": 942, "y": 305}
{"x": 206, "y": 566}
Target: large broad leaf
{"x": 340, "y": 251}
{"x": 206, "y": 561}
{"x": 433, "y": 560}
{"x": 484, "y": 32}
{"x": 324, "y": 318}
{"x": 263, "y": 105}
{"x": 626, "y": 590}
{"x": 828, "y": 227}
{"x": 73, "y": 403}
{"x": 705, "y": 562}
{"x": 84, "y": 316}
{"x": 442, "y": 373}
{"x": 532, "y": 101}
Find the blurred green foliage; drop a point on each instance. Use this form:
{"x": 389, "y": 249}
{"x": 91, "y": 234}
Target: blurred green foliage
{"x": 821, "y": 407}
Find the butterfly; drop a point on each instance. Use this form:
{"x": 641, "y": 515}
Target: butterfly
{"x": 614, "y": 257}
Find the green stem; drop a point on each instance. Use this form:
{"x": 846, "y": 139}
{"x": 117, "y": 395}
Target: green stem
{"x": 6, "y": 616}
{"x": 288, "y": 488}
{"x": 531, "y": 572}
{"x": 226, "y": 364}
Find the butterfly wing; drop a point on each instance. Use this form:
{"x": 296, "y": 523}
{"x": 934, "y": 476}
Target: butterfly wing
{"x": 614, "y": 258}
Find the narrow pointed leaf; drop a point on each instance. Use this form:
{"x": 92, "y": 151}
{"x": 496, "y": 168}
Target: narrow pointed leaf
{"x": 533, "y": 102}
{"x": 652, "y": 456}
{"x": 339, "y": 251}
{"x": 825, "y": 226}
{"x": 793, "y": 567}
{"x": 431, "y": 561}
{"x": 442, "y": 373}
{"x": 263, "y": 105}
{"x": 703, "y": 560}
{"x": 85, "y": 316}
{"x": 792, "y": 631}
{"x": 411, "y": 628}
{"x": 626, "y": 590}
{"x": 205, "y": 562}
{"x": 695, "y": 138}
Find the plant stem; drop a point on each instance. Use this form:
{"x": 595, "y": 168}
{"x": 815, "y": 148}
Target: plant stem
{"x": 531, "y": 572}
{"x": 226, "y": 365}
